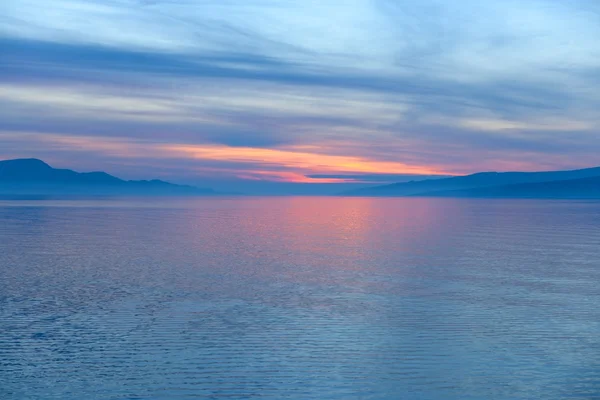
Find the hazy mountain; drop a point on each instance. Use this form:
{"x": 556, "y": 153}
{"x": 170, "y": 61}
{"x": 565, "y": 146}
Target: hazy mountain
{"x": 586, "y": 188}
{"x": 32, "y": 176}
{"x": 479, "y": 180}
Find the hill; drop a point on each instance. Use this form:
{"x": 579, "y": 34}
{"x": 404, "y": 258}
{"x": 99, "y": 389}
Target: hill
{"x": 33, "y": 176}
{"x": 474, "y": 181}
{"x": 586, "y": 188}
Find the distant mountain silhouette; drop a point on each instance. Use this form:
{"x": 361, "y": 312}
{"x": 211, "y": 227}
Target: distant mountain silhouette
{"x": 33, "y": 176}
{"x": 465, "y": 186}
{"x": 586, "y": 188}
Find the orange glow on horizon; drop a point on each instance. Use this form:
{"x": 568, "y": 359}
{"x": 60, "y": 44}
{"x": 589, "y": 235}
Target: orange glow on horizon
{"x": 301, "y": 162}
{"x": 286, "y": 176}
{"x": 291, "y": 164}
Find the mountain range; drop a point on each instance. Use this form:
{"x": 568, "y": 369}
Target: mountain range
{"x": 33, "y": 176}
{"x": 582, "y": 183}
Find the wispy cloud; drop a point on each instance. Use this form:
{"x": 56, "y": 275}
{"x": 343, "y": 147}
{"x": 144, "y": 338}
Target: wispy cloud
{"x": 387, "y": 87}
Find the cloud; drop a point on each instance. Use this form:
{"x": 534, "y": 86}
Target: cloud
{"x": 377, "y": 178}
{"x": 299, "y": 164}
{"x": 385, "y": 86}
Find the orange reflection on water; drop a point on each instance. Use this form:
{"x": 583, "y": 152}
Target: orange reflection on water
{"x": 337, "y": 238}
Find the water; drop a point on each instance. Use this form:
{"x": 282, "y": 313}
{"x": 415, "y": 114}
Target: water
{"x": 299, "y": 298}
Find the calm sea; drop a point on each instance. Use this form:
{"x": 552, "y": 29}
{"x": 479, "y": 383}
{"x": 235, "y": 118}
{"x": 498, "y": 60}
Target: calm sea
{"x": 299, "y": 298}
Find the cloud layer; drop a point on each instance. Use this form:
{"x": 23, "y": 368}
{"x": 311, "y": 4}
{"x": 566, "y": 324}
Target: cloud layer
{"x": 307, "y": 91}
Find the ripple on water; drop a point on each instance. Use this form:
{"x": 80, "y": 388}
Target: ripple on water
{"x": 300, "y": 299}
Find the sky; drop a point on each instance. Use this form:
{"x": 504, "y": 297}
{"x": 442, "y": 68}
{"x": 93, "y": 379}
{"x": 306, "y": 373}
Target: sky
{"x": 288, "y": 96}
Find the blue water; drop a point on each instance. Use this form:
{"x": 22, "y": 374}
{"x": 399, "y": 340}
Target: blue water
{"x": 299, "y": 298}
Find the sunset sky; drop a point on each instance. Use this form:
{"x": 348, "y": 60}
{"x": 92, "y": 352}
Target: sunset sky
{"x": 267, "y": 94}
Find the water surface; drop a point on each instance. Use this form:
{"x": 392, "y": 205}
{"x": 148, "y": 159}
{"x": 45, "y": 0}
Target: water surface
{"x": 299, "y": 298}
